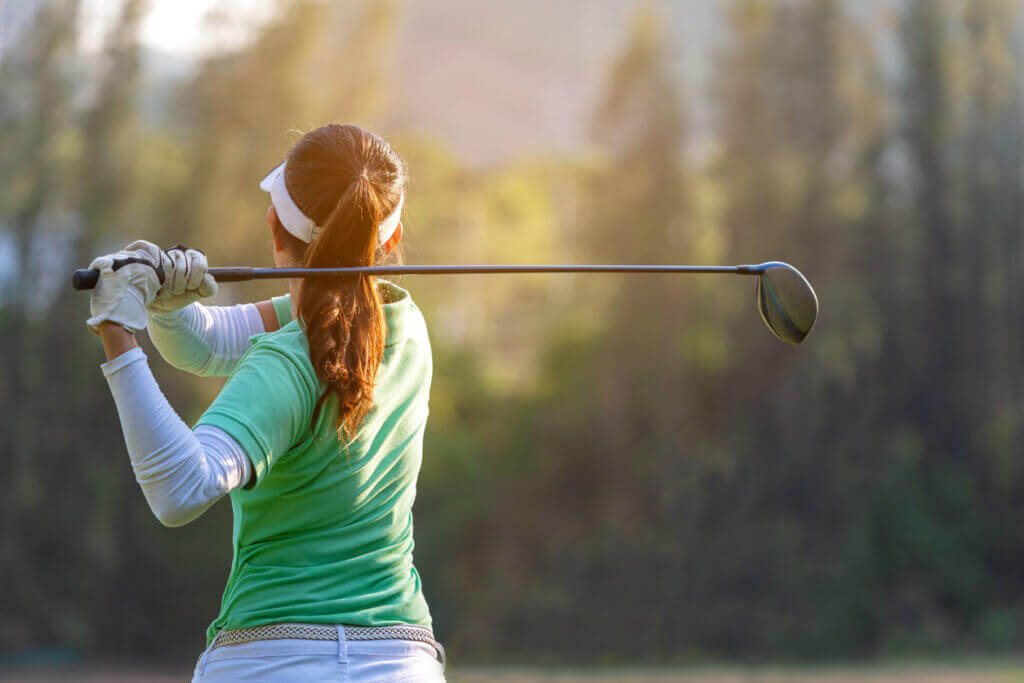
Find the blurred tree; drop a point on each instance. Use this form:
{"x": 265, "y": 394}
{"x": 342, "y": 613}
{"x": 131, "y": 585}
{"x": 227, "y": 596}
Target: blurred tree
{"x": 994, "y": 142}
{"x": 34, "y": 111}
{"x": 77, "y": 183}
{"x": 800, "y": 116}
{"x": 644, "y": 387}
{"x": 962, "y": 134}
{"x": 639, "y": 126}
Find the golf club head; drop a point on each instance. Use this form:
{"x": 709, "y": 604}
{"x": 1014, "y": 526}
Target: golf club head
{"x": 786, "y": 301}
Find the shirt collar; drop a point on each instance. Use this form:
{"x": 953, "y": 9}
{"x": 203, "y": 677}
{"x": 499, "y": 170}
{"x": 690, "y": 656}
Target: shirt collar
{"x": 398, "y": 307}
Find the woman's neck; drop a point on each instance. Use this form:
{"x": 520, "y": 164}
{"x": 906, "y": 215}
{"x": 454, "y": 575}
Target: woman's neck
{"x": 283, "y": 259}
{"x": 294, "y": 284}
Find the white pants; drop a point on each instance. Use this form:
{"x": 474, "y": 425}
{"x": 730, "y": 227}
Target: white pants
{"x": 356, "y": 661}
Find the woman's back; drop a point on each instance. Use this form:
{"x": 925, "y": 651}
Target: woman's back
{"x": 325, "y": 534}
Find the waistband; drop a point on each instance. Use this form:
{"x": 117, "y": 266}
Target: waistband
{"x": 238, "y": 636}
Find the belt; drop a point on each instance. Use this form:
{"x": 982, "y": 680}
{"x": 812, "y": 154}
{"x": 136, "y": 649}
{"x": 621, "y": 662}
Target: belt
{"x": 238, "y": 636}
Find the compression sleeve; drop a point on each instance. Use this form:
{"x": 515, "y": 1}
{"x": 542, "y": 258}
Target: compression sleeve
{"x": 181, "y": 472}
{"x": 205, "y": 340}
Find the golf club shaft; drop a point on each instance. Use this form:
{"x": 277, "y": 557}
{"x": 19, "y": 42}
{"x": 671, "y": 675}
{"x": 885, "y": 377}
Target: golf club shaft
{"x": 86, "y": 279}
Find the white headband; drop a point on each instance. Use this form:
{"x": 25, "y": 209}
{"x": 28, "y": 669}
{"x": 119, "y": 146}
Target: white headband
{"x": 301, "y": 225}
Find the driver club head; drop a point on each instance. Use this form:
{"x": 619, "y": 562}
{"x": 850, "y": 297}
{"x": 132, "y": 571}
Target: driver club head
{"x": 786, "y": 301}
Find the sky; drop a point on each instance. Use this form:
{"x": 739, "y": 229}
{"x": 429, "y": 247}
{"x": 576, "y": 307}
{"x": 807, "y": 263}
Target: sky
{"x": 175, "y": 26}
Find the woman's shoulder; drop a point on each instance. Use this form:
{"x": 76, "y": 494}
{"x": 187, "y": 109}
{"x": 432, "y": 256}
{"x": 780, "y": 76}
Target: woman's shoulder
{"x": 401, "y": 315}
{"x": 285, "y": 345}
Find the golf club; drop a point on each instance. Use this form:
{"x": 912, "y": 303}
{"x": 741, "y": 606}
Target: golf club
{"x": 786, "y": 301}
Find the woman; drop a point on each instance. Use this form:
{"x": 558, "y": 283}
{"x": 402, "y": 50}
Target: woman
{"x": 317, "y": 434}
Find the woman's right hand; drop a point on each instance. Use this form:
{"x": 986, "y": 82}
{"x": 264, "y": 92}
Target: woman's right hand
{"x": 128, "y": 283}
{"x": 186, "y": 279}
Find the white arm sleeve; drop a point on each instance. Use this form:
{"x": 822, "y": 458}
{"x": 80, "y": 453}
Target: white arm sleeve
{"x": 181, "y": 472}
{"x": 205, "y": 340}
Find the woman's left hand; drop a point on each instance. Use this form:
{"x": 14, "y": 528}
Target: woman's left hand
{"x": 187, "y": 277}
{"x": 122, "y": 294}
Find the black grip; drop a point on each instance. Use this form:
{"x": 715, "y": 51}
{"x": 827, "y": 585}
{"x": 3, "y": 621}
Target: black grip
{"x": 85, "y": 279}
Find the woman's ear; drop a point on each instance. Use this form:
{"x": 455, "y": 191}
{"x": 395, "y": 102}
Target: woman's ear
{"x": 393, "y": 241}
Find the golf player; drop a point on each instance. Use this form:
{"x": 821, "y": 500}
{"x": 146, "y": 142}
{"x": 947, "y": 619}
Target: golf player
{"x": 316, "y": 435}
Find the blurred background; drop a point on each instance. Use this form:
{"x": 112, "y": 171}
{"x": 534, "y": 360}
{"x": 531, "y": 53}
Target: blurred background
{"x": 619, "y": 471}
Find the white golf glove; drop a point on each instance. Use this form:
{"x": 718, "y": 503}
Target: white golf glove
{"x": 185, "y": 276}
{"x": 121, "y": 295}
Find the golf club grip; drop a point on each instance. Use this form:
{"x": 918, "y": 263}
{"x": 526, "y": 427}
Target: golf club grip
{"x": 86, "y": 279}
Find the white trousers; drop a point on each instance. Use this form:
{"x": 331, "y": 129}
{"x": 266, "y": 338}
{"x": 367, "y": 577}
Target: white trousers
{"x": 355, "y": 661}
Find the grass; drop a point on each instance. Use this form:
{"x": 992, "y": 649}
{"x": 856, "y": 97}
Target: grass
{"x": 921, "y": 674}
{"x": 957, "y": 672}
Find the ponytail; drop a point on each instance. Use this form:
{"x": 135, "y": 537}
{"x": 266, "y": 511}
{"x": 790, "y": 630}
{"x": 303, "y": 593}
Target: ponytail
{"x": 344, "y": 316}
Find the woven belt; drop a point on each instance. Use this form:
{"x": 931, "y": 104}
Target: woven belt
{"x": 238, "y": 636}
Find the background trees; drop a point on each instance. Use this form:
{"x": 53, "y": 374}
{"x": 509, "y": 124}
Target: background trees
{"x": 623, "y": 466}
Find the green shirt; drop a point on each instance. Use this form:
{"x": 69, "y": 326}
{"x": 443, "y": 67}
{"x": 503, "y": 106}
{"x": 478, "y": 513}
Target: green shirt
{"x": 325, "y": 535}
